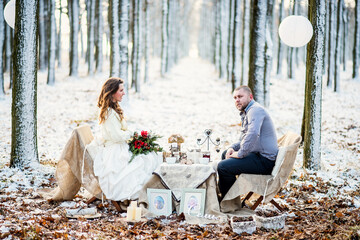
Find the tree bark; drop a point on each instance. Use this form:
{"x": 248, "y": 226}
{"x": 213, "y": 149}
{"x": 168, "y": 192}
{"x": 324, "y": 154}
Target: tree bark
{"x": 147, "y": 40}
{"x": 164, "y": 37}
{"x": 58, "y": 43}
{"x": 99, "y": 36}
{"x": 2, "y": 40}
{"x": 338, "y": 46}
{"x": 313, "y": 86}
{"x": 124, "y": 41}
{"x": 235, "y": 74}
{"x": 8, "y": 47}
{"x": 280, "y": 52}
{"x": 51, "y": 44}
{"x": 292, "y": 51}
{"x": 24, "y": 97}
{"x": 345, "y": 36}
{"x": 73, "y": 6}
{"x": 42, "y": 37}
{"x": 356, "y": 50}
{"x": 217, "y": 34}
{"x": 268, "y": 52}
{"x": 257, "y": 50}
{"x": 90, "y": 37}
{"x": 245, "y": 44}
{"x": 331, "y": 41}
{"x": 114, "y": 38}
{"x": 230, "y": 44}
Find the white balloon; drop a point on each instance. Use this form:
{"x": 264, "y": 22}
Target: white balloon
{"x": 9, "y": 13}
{"x": 295, "y": 31}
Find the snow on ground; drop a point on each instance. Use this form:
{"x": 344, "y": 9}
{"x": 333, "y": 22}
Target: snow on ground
{"x": 188, "y": 100}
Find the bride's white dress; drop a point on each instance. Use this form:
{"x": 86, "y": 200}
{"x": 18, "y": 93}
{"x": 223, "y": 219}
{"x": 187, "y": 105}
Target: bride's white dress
{"x": 119, "y": 180}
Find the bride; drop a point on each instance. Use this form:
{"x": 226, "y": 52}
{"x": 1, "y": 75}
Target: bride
{"x": 119, "y": 180}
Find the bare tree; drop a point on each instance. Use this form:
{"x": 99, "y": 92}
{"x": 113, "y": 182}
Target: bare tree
{"x": 114, "y": 38}
{"x": 356, "y": 49}
{"x": 58, "y": 40}
{"x": 73, "y": 12}
{"x": 235, "y": 74}
{"x": 245, "y": 43}
{"x": 51, "y": 44}
{"x": 331, "y": 41}
{"x": 268, "y": 51}
{"x": 24, "y": 97}
{"x": 280, "y": 52}
{"x": 257, "y": 49}
{"x": 312, "y": 106}
{"x": 2, "y": 39}
{"x": 124, "y": 41}
{"x": 42, "y": 37}
{"x": 164, "y": 37}
{"x": 338, "y": 46}
{"x": 147, "y": 40}
{"x": 99, "y": 36}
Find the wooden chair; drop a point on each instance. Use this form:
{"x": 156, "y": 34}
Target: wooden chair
{"x": 267, "y": 186}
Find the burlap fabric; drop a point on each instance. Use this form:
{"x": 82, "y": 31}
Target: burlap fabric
{"x": 260, "y": 184}
{"x": 75, "y": 168}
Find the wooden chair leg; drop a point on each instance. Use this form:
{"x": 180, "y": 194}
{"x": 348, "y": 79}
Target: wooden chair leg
{"x": 258, "y": 201}
{"x": 91, "y": 200}
{"x": 116, "y": 205}
{"x": 277, "y": 205}
{"x": 246, "y": 198}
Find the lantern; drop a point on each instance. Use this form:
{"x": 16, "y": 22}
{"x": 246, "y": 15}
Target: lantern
{"x": 295, "y": 31}
{"x": 9, "y": 13}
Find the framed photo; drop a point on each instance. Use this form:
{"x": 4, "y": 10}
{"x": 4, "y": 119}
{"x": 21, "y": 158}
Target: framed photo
{"x": 192, "y": 201}
{"x": 159, "y": 201}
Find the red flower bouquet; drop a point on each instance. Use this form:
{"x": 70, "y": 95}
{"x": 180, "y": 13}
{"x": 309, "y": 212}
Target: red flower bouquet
{"x": 143, "y": 144}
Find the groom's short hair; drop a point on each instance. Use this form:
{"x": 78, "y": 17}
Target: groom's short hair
{"x": 244, "y": 87}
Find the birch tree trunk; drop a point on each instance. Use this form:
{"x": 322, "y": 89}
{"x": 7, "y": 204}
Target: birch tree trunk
{"x": 268, "y": 52}
{"x": 24, "y": 97}
{"x": 313, "y": 86}
{"x": 345, "y": 38}
{"x": 90, "y": 37}
{"x": 135, "y": 61}
{"x": 73, "y": 6}
{"x": 356, "y": 50}
{"x": 99, "y": 36}
{"x": 51, "y": 44}
{"x": 2, "y": 40}
{"x": 224, "y": 37}
{"x": 124, "y": 52}
{"x": 245, "y": 44}
{"x": 338, "y": 46}
{"x": 42, "y": 37}
{"x": 164, "y": 37}
{"x": 114, "y": 38}
{"x": 147, "y": 40}
{"x": 326, "y": 37}
{"x": 292, "y": 51}
{"x": 331, "y": 41}
{"x": 280, "y": 52}
{"x": 235, "y": 75}
{"x": 257, "y": 49}
{"x": 8, "y": 47}
{"x": 231, "y": 40}
{"x": 217, "y": 34}
{"x": 58, "y": 42}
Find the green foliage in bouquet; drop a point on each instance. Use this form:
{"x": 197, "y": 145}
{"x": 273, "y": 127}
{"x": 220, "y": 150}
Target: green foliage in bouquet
{"x": 143, "y": 144}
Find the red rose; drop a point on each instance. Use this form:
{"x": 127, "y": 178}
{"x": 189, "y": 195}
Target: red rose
{"x": 144, "y": 134}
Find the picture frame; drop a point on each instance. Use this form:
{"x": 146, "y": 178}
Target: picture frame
{"x": 193, "y": 201}
{"x": 160, "y": 202}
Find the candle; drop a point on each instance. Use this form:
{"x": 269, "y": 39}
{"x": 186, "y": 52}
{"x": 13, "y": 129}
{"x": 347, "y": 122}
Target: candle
{"x": 130, "y": 213}
{"x": 137, "y": 215}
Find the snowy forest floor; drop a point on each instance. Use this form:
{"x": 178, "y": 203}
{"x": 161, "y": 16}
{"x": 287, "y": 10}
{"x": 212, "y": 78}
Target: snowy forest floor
{"x": 324, "y": 204}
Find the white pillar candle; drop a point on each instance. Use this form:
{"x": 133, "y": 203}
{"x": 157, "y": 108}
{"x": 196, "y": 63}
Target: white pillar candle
{"x": 130, "y": 213}
{"x": 137, "y": 215}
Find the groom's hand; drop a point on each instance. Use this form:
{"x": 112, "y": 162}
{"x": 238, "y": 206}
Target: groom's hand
{"x": 229, "y": 152}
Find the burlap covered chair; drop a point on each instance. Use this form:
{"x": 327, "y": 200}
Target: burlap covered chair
{"x": 267, "y": 186}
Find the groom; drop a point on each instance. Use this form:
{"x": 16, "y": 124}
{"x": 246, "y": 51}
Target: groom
{"x": 256, "y": 151}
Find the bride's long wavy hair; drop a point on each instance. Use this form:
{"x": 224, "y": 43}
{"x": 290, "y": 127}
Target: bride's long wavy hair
{"x": 105, "y": 100}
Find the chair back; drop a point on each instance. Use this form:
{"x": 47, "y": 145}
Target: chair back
{"x": 288, "y": 146}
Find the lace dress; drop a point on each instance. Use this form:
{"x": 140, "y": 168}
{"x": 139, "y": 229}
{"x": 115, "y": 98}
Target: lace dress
{"x": 119, "y": 180}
